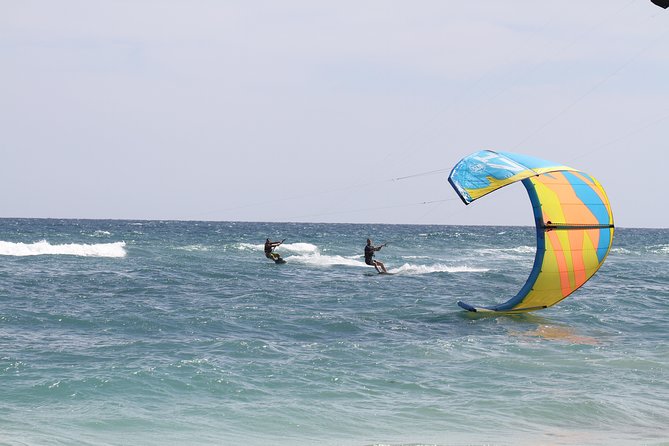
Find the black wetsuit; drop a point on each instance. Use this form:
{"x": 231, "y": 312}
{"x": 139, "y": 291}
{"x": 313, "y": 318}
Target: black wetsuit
{"x": 369, "y": 254}
{"x": 269, "y": 252}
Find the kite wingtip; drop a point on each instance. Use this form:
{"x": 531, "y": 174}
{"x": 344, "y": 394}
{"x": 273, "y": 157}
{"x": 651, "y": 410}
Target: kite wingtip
{"x": 466, "y": 306}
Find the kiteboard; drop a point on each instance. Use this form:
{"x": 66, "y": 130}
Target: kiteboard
{"x": 279, "y": 261}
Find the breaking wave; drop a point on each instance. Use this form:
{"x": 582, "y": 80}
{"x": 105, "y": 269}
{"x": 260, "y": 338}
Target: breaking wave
{"x": 296, "y": 248}
{"x": 116, "y": 249}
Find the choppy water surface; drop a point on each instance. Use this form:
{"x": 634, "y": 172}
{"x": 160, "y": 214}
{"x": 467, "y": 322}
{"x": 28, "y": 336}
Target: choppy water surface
{"x": 147, "y": 332}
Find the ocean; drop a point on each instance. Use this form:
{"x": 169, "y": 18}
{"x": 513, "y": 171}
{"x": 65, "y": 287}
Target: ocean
{"x": 183, "y": 333}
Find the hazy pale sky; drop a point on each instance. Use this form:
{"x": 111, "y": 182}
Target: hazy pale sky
{"x": 310, "y": 110}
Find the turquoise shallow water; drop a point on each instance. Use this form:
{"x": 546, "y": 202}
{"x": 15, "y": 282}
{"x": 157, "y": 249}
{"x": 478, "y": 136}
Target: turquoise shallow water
{"x": 148, "y": 332}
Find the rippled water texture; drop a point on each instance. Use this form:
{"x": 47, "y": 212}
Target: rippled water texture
{"x": 153, "y": 333}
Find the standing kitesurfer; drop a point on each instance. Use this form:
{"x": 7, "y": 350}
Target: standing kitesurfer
{"x": 269, "y": 249}
{"x": 369, "y": 256}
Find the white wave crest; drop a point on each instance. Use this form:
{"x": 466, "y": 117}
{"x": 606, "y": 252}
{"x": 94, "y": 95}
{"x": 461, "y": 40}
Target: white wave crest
{"x": 249, "y": 247}
{"x": 659, "y": 249}
{"x": 116, "y": 249}
{"x": 524, "y": 249}
{"x": 325, "y": 260}
{"x": 297, "y": 248}
{"x": 191, "y": 248}
{"x": 408, "y": 268}
{"x": 506, "y": 252}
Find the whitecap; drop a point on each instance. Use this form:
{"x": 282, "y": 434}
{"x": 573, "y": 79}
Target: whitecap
{"x": 116, "y": 249}
{"x": 659, "y": 249}
{"x": 408, "y": 268}
{"x": 299, "y": 248}
{"x": 100, "y": 233}
{"x": 249, "y": 247}
{"x": 506, "y": 252}
{"x": 318, "y": 259}
{"x": 191, "y": 248}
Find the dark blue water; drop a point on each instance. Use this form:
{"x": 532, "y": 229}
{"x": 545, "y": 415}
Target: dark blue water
{"x": 148, "y": 332}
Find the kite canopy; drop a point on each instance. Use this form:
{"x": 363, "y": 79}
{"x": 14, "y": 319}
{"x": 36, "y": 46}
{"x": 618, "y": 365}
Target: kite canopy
{"x": 661, "y": 3}
{"x": 573, "y": 219}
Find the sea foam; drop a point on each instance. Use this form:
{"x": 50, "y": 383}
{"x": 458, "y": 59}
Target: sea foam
{"x": 116, "y": 249}
{"x": 318, "y": 259}
{"x": 408, "y": 268}
{"x": 296, "y": 248}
